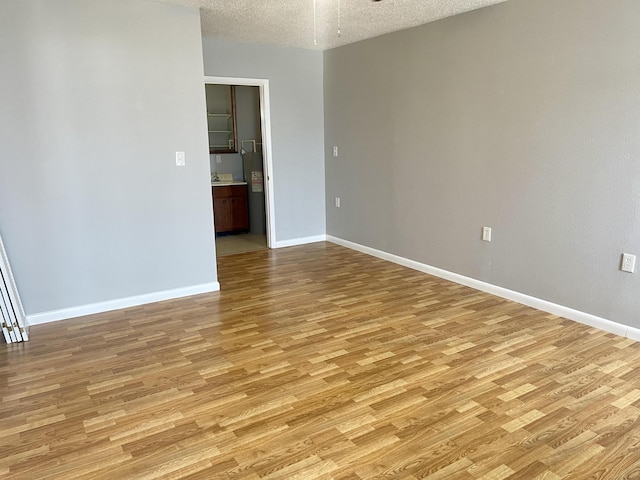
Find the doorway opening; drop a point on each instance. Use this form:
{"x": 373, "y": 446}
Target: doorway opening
{"x": 239, "y": 126}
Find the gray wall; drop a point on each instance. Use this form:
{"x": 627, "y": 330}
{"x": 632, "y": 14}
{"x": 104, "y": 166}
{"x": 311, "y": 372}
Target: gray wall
{"x": 295, "y": 81}
{"x": 248, "y": 125}
{"x": 96, "y": 99}
{"x": 525, "y": 117}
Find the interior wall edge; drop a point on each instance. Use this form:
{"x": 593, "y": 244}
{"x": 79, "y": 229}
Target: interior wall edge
{"x": 110, "y": 305}
{"x": 537, "y": 303}
{"x": 300, "y": 241}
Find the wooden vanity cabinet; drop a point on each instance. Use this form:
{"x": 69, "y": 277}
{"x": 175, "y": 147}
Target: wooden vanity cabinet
{"x": 230, "y": 208}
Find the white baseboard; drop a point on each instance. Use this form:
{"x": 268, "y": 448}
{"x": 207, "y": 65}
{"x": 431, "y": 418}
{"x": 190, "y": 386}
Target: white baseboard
{"x": 544, "y": 305}
{"x": 100, "y": 307}
{"x": 300, "y": 241}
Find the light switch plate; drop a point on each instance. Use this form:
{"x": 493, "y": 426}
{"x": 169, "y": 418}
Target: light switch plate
{"x": 180, "y": 159}
{"x": 486, "y": 234}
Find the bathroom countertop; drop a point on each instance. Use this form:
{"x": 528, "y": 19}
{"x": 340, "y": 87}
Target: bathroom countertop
{"x": 226, "y": 184}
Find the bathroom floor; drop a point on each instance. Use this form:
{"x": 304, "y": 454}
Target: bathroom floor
{"x": 233, "y": 244}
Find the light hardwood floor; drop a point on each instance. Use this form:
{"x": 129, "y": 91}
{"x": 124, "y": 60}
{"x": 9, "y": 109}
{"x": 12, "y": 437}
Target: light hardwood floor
{"x": 317, "y": 362}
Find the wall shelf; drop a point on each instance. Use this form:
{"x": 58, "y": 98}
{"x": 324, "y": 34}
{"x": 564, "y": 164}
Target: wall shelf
{"x": 221, "y": 118}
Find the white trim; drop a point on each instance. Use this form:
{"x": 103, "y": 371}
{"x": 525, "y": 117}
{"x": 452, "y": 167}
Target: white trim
{"x": 267, "y": 157}
{"x": 300, "y": 241}
{"x": 13, "y": 316}
{"x": 544, "y": 305}
{"x": 100, "y": 307}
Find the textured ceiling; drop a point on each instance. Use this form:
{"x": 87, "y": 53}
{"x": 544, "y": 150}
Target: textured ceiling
{"x": 291, "y": 22}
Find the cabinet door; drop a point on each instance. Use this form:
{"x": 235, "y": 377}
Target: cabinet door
{"x": 222, "y": 214}
{"x": 239, "y": 213}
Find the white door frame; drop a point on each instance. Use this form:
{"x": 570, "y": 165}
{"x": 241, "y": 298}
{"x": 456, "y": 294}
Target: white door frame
{"x": 265, "y": 124}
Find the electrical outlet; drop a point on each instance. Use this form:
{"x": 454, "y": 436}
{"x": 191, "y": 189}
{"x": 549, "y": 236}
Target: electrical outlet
{"x": 218, "y": 158}
{"x": 337, "y": 202}
{"x": 628, "y": 263}
{"x": 486, "y": 234}
{"x": 335, "y": 151}
{"x": 180, "y": 159}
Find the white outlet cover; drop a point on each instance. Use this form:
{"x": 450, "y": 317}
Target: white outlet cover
{"x": 337, "y": 202}
{"x": 180, "y": 159}
{"x": 628, "y": 263}
{"x": 335, "y": 151}
{"x": 486, "y": 234}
